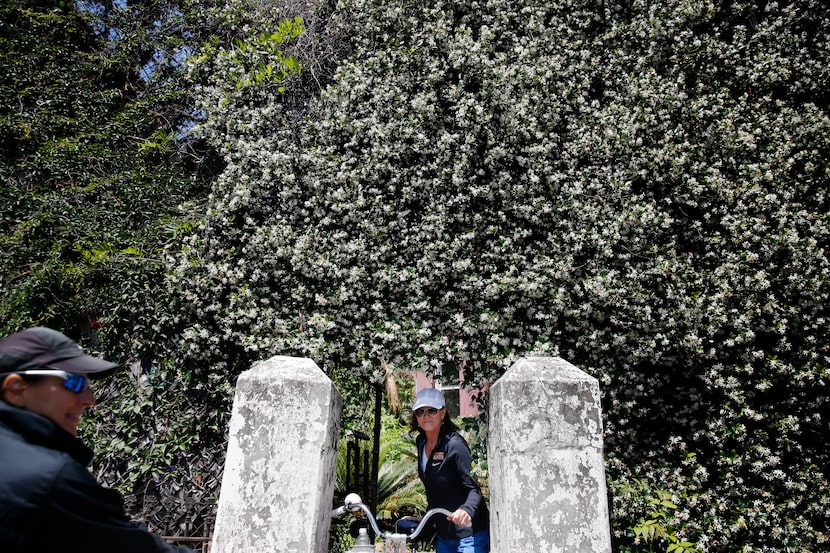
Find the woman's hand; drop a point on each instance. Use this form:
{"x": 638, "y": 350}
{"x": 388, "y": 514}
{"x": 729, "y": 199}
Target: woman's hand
{"x": 461, "y": 518}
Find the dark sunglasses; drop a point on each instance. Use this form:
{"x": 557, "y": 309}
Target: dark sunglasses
{"x": 431, "y": 411}
{"x": 71, "y": 381}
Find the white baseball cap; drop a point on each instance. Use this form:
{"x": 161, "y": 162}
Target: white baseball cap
{"x": 428, "y": 397}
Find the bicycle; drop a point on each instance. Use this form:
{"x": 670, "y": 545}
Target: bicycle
{"x": 394, "y": 542}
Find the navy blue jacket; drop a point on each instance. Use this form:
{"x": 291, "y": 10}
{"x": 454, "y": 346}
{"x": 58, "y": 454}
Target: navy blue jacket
{"x": 449, "y": 484}
{"x": 49, "y": 501}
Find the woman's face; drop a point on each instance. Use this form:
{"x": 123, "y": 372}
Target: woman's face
{"x": 429, "y": 422}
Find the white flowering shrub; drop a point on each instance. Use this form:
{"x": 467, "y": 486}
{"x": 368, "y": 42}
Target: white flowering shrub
{"x": 638, "y": 187}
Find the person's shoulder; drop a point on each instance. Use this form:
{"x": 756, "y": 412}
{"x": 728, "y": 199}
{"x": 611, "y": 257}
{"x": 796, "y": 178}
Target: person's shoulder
{"x": 456, "y": 435}
{"x": 454, "y": 439}
{"x": 31, "y": 458}
{"x": 32, "y": 473}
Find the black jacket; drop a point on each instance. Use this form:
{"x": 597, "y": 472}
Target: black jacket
{"x": 49, "y": 501}
{"x": 449, "y": 484}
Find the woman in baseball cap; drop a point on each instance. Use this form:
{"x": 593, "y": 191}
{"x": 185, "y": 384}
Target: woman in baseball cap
{"x": 444, "y": 466}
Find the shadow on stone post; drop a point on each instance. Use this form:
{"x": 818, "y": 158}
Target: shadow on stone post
{"x": 278, "y": 482}
{"x": 545, "y": 459}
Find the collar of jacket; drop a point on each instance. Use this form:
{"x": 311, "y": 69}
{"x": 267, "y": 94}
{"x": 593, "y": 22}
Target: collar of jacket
{"x": 39, "y": 430}
{"x": 421, "y": 439}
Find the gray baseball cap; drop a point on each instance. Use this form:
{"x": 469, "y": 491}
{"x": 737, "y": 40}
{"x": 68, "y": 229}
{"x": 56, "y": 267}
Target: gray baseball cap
{"x": 43, "y": 347}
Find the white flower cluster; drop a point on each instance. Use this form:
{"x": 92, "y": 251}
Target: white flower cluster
{"x": 639, "y": 187}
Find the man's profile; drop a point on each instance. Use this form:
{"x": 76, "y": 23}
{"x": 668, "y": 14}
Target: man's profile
{"x": 49, "y": 501}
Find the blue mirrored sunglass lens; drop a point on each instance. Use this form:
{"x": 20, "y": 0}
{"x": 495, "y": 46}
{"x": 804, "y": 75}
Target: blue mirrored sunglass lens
{"x": 75, "y": 382}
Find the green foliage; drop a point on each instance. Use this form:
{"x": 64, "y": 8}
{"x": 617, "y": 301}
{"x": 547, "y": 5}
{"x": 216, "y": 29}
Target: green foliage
{"x": 653, "y": 530}
{"x": 637, "y": 187}
{"x": 475, "y": 432}
{"x": 148, "y": 448}
{"x": 258, "y": 61}
{"x": 97, "y": 180}
{"x": 400, "y": 492}
{"x": 91, "y": 173}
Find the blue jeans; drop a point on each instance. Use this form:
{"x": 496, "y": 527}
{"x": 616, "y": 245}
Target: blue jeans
{"x": 477, "y": 543}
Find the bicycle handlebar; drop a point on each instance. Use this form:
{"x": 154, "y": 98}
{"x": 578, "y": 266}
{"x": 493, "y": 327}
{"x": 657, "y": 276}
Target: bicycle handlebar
{"x": 427, "y": 515}
{"x": 352, "y": 503}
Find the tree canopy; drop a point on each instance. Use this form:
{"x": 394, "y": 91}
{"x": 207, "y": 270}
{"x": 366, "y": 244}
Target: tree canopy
{"x": 95, "y": 181}
{"x": 637, "y": 187}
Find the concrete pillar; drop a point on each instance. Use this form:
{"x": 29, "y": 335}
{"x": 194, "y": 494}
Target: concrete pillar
{"x": 278, "y": 482}
{"x": 546, "y": 467}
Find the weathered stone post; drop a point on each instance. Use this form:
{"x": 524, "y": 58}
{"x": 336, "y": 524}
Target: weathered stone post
{"x": 278, "y": 482}
{"x": 547, "y": 474}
